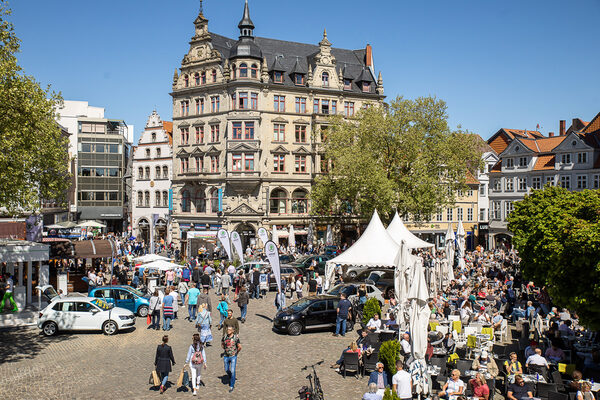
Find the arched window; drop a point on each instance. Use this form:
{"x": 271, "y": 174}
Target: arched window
{"x": 157, "y": 176}
{"x": 214, "y": 200}
{"x": 254, "y": 71}
{"x": 243, "y": 70}
{"x": 325, "y": 79}
{"x": 165, "y": 172}
{"x": 147, "y": 172}
{"x": 147, "y": 153}
{"x": 140, "y": 173}
{"x": 157, "y": 198}
{"x": 165, "y": 195}
{"x": 278, "y": 202}
{"x": 146, "y": 199}
{"x": 200, "y": 201}
{"x": 203, "y": 78}
{"x": 140, "y": 199}
{"x": 214, "y": 75}
{"x": 186, "y": 80}
{"x": 299, "y": 202}
{"x": 154, "y": 136}
{"x": 185, "y": 201}
{"x": 233, "y": 71}
{"x": 197, "y": 79}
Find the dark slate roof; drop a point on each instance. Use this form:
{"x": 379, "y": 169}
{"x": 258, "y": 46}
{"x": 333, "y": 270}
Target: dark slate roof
{"x": 277, "y": 66}
{"x": 298, "y": 68}
{"x": 292, "y": 53}
{"x": 365, "y": 76}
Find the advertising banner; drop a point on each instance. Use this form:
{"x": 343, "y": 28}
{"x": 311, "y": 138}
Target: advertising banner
{"x": 224, "y": 239}
{"x": 273, "y": 257}
{"x": 237, "y": 245}
{"x": 263, "y": 235}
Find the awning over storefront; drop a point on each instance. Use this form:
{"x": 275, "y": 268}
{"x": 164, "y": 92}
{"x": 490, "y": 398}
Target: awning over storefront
{"x": 93, "y": 249}
{"x": 23, "y": 251}
{"x": 59, "y": 248}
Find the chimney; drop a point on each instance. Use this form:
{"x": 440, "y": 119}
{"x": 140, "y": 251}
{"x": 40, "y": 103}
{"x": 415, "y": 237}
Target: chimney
{"x": 575, "y": 124}
{"x": 550, "y": 134}
{"x": 562, "y": 127}
{"x": 369, "y": 56}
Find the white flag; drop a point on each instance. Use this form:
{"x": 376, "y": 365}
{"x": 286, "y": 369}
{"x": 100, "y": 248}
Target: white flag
{"x": 237, "y": 245}
{"x": 263, "y": 235}
{"x": 273, "y": 257}
{"x": 224, "y": 239}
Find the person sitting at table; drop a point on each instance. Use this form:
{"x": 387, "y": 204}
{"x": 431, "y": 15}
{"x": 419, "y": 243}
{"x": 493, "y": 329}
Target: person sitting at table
{"x": 482, "y": 316}
{"x": 480, "y": 388}
{"x": 365, "y": 340}
{"x": 485, "y": 362}
{"x": 466, "y": 311}
{"x": 453, "y": 387}
{"x": 565, "y": 328}
{"x": 448, "y": 343}
{"x": 391, "y": 323}
{"x": 575, "y": 384}
{"x": 537, "y": 363}
{"x": 512, "y": 366}
{"x": 372, "y": 394}
{"x": 555, "y": 353}
{"x": 379, "y": 376}
{"x": 518, "y": 390}
{"x": 353, "y": 348}
{"x": 530, "y": 350}
{"x": 374, "y": 323}
{"x": 496, "y": 319}
{"x": 405, "y": 343}
{"x": 586, "y": 392}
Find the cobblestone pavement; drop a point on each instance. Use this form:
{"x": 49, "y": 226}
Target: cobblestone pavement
{"x": 95, "y": 366}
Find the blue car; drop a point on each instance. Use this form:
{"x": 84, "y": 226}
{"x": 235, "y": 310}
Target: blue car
{"x": 124, "y": 297}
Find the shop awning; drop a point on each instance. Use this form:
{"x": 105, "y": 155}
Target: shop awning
{"x": 93, "y": 249}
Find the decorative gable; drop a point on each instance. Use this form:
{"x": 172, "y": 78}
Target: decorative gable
{"x": 280, "y": 150}
{"x": 301, "y": 150}
{"x": 244, "y": 209}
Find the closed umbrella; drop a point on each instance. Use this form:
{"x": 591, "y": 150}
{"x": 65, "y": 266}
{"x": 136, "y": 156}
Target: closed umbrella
{"x": 449, "y": 265}
{"x": 329, "y": 236}
{"x": 292, "y": 239}
{"x": 309, "y": 235}
{"x": 275, "y": 236}
{"x": 419, "y": 320}
{"x": 460, "y": 236}
{"x": 400, "y": 282}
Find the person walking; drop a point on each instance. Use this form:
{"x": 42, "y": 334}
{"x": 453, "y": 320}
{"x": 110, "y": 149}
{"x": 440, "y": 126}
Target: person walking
{"x": 196, "y": 359}
{"x": 204, "y": 298}
{"x": 402, "y": 382}
{"x": 218, "y": 282}
{"x": 8, "y": 293}
{"x": 203, "y": 323}
{"x": 231, "y": 349}
{"x": 280, "y": 300}
{"x": 299, "y": 287}
{"x": 154, "y": 306}
{"x": 343, "y": 309}
{"x": 230, "y": 321}
{"x": 225, "y": 283}
{"x": 192, "y": 301}
{"x": 182, "y": 288}
{"x": 163, "y": 361}
{"x": 242, "y": 301}
{"x": 167, "y": 306}
{"x": 222, "y": 307}
{"x": 175, "y": 297}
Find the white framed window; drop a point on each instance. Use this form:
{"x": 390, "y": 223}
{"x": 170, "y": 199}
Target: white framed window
{"x": 536, "y": 182}
{"x": 508, "y": 208}
{"x": 459, "y": 213}
{"x": 497, "y": 185}
{"x": 581, "y": 158}
{"x": 565, "y": 182}
{"x": 522, "y": 184}
{"x": 469, "y": 214}
{"x": 439, "y": 216}
{"x": 523, "y": 162}
{"x": 581, "y": 181}
{"x": 483, "y": 190}
{"x": 496, "y": 210}
{"x": 509, "y": 184}
{"x": 565, "y": 158}
{"x": 596, "y": 184}
{"x": 482, "y": 213}
{"x": 509, "y": 162}
{"x": 550, "y": 180}
{"x": 449, "y": 215}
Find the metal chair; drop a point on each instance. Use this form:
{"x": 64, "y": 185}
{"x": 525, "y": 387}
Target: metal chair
{"x": 370, "y": 362}
{"x": 557, "y": 378}
{"x": 543, "y": 389}
{"x": 350, "y": 360}
{"x": 463, "y": 366}
{"x": 557, "y": 396}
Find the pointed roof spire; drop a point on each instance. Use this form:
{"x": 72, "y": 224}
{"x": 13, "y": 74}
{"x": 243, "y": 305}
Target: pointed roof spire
{"x": 325, "y": 41}
{"x": 246, "y": 25}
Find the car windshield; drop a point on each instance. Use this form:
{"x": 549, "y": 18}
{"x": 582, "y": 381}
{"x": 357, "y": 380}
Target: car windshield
{"x": 136, "y": 292}
{"x": 299, "y": 261}
{"x": 300, "y": 305}
{"x": 100, "y": 304}
{"x": 374, "y": 277}
{"x": 346, "y": 289}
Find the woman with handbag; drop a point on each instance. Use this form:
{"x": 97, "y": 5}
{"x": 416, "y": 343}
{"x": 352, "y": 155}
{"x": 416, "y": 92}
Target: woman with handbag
{"x": 196, "y": 358}
{"x": 154, "y": 312}
{"x": 163, "y": 361}
{"x": 203, "y": 323}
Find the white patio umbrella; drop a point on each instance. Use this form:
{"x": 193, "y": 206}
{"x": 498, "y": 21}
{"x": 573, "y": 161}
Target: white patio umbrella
{"x": 275, "y": 236}
{"x": 91, "y": 224}
{"x": 329, "y": 236}
{"x": 54, "y": 226}
{"x": 449, "y": 272}
{"x": 292, "y": 239}
{"x": 401, "y": 282}
{"x": 161, "y": 265}
{"x": 418, "y": 295}
{"x": 150, "y": 258}
{"x": 460, "y": 233}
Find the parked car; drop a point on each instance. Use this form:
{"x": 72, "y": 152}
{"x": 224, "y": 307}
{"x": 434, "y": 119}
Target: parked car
{"x": 383, "y": 280}
{"x": 85, "y": 314}
{"x": 124, "y": 297}
{"x": 353, "y": 271}
{"x": 254, "y": 264}
{"x": 308, "y": 313}
{"x": 363, "y": 275}
{"x": 351, "y": 291}
{"x": 303, "y": 263}
{"x": 286, "y": 258}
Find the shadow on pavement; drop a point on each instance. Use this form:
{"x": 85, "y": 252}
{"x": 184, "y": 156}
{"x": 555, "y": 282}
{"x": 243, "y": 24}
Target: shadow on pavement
{"x": 265, "y": 317}
{"x": 25, "y": 343}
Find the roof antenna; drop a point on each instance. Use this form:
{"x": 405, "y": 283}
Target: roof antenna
{"x": 201, "y": 7}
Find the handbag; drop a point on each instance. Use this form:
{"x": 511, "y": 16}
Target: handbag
{"x": 153, "y": 380}
{"x": 180, "y": 379}
{"x": 148, "y": 319}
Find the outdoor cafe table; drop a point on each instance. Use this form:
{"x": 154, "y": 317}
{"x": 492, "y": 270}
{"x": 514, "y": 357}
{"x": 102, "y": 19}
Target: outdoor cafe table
{"x": 433, "y": 370}
{"x": 471, "y": 374}
{"x": 528, "y": 378}
{"x": 439, "y": 351}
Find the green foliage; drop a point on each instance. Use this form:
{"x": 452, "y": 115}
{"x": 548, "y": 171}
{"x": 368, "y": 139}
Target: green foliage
{"x": 557, "y": 234}
{"x": 403, "y": 157}
{"x": 34, "y": 159}
{"x": 389, "y": 394}
{"x": 389, "y": 353}
{"x": 371, "y": 308}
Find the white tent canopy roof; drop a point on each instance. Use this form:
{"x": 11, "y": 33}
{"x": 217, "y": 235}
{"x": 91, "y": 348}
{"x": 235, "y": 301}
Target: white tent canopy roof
{"x": 161, "y": 265}
{"x": 375, "y": 247}
{"x": 399, "y": 232}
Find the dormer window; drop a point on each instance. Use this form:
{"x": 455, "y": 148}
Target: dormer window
{"x": 509, "y": 163}
{"x": 325, "y": 79}
{"x": 299, "y": 79}
{"x": 254, "y": 71}
{"x": 347, "y": 84}
{"x": 366, "y": 87}
{"x": 186, "y": 81}
{"x": 277, "y": 77}
{"x": 522, "y": 161}
{"x": 243, "y": 70}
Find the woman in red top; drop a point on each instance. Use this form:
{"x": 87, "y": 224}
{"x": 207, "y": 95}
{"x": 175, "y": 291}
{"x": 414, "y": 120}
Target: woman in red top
{"x": 480, "y": 387}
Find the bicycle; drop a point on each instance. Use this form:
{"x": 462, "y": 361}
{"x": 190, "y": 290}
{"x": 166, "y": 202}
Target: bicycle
{"x": 314, "y": 392}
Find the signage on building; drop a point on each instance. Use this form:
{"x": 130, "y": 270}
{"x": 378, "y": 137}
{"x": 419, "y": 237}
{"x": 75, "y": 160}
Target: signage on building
{"x": 73, "y": 208}
{"x": 215, "y": 227}
{"x": 220, "y": 191}
{"x": 170, "y": 199}
{"x": 111, "y": 215}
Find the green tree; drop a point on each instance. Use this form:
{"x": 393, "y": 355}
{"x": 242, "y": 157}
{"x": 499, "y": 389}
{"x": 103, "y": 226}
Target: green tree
{"x": 557, "y": 234}
{"x": 389, "y": 353}
{"x": 389, "y": 394}
{"x": 402, "y": 157}
{"x": 371, "y": 308}
{"x": 34, "y": 157}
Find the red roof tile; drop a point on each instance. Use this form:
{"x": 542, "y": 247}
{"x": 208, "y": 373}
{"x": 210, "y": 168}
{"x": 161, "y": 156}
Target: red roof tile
{"x": 497, "y": 167}
{"x": 544, "y": 162}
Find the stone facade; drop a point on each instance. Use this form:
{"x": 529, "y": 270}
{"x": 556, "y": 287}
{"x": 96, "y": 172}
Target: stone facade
{"x": 248, "y": 117}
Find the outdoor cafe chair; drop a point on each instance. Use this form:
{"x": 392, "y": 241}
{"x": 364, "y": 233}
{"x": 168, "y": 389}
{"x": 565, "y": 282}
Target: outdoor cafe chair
{"x": 557, "y": 396}
{"x": 370, "y": 362}
{"x": 543, "y": 389}
{"x": 557, "y": 378}
{"x": 463, "y": 366}
{"x": 350, "y": 361}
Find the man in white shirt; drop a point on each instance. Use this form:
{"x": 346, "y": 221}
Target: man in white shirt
{"x": 374, "y": 323}
{"x": 536, "y": 359}
{"x": 402, "y": 382}
{"x": 319, "y": 283}
{"x": 405, "y": 342}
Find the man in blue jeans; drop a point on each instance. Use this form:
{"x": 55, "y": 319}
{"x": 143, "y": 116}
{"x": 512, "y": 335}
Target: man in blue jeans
{"x": 343, "y": 310}
{"x": 232, "y": 347}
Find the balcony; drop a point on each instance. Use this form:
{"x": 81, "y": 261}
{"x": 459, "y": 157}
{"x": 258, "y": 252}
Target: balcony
{"x": 243, "y": 182}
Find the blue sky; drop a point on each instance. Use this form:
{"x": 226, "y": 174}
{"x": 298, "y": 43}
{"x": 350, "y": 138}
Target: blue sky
{"x": 496, "y": 63}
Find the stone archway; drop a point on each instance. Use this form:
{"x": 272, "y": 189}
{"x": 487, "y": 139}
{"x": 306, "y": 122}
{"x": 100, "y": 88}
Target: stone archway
{"x": 161, "y": 230}
{"x": 247, "y": 233}
{"x": 143, "y": 227}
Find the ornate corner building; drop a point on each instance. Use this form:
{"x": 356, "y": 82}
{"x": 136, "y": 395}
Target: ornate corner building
{"x": 249, "y": 118}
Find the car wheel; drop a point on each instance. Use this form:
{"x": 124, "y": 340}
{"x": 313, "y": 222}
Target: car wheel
{"x": 295, "y": 328}
{"x": 110, "y": 327}
{"x": 50, "y": 328}
{"x": 349, "y": 326}
{"x": 352, "y": 274}
{"x": 143, "y": 311}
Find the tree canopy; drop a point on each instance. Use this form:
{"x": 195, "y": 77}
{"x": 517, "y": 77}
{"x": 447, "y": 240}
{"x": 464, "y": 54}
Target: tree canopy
{"x": 34, "y": 157}
{"x": 403, "y": 156}
{"x": 557, "y": 234}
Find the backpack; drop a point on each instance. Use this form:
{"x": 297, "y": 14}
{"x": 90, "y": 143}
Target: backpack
{"x": 197, "y": 358}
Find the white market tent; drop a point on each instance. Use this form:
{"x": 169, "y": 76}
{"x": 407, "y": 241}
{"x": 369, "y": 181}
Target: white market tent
{"x": 161, "y": 265}
{"x": 375, "y": 248}
{"x": 399, "y": 232}
{"x": 149, "y": 258}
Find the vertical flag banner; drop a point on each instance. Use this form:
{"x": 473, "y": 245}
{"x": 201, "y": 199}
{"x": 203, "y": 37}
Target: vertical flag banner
{"x": 263, "y": 235}
{"x": 273, "y": 257}
{"x": 236, "y": 241}
{"x": 220, "y": 198}
{"x": 224, "y": 239}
